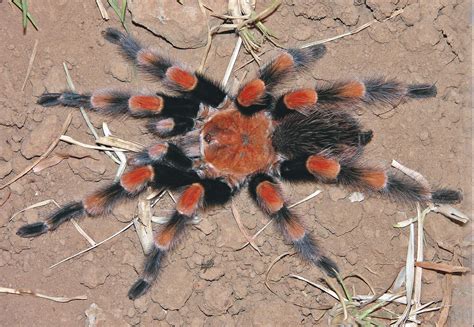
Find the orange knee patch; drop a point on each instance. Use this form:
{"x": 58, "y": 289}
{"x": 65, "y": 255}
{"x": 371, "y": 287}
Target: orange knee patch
{"x": 324, "y": 167}
{"x": 270, "y": 196}
{"x": 352, "y": 90}
{"x": 282, "y": 62}
{"x": 94, "y": 204}
{"x": 251, "y": 92}
{"x": 164, "y": 125}
{"x": 137, "y": 178}
{"x": 182, "y": 78}
{"x": 294, "y": 228}
{"x": 147, "y": 57}
{"x": 376, "y": 179}
{"x": 99, "y": 101}
{"x": 300, "y": 98}
{"x": 158, "y": 150}
{"x": 165, "y": 236}
{"x": 189, "y": 200}
{"x": 139, "y": 103}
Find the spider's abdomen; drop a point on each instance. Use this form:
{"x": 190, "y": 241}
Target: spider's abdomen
{"x": 334, "y": 132}
{"x": 236, "y": 144}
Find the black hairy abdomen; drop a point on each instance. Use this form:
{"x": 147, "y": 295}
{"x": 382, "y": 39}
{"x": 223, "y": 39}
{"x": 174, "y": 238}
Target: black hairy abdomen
{"x": 323, "y": 130}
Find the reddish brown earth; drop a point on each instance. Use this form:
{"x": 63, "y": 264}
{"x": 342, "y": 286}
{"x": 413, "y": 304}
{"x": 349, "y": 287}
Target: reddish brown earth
{"x": 429, "y": 42}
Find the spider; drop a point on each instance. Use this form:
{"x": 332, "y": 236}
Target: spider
{"x": 220, "y": 143}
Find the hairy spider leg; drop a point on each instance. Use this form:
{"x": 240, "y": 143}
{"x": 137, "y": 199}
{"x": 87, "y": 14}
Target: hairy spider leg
{"x": 116, "y": 103}
{"x": 193, "y": 84}
{"x": 351, "y": 174}
{"x": 266, "y": 193}
{"x": 344, "y": 95}
{"x": 372, "y": 91}
{"x": 163, "y": 165}
{"x": 202, "y": 194}
{"x": 257, "y": 95}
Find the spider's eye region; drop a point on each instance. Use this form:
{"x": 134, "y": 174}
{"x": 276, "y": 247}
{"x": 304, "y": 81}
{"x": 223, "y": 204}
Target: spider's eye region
{"x": 208, "y": 138}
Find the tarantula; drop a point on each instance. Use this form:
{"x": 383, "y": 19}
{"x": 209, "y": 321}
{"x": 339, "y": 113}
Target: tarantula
{"x": 256, "y": 138}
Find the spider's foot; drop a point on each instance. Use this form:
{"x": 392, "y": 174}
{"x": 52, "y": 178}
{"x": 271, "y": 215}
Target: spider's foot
{"x": 422, "y": 91}
{"x": 49, "y": 99}
{"x": 328, "y": 266}
{"x": 446, "y": 196}
{"x": 32, "y": 230}
{"x": 139, "y": 288}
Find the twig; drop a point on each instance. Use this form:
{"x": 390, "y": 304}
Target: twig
{"x": 233, "y": 58}
{"x": 83, "y": 233}
{"x": 44, "y": 155}
{"x": 70, "y": 140}
{"x": 33, "y": 206}
{"x": 447, "y": 298}
{"x": 355, "y": 31}
{"x": 23, "y": 291}
{"x": 92, "y": 247}
{"x": 30, "y": 64}
{"x": 103, "y": 11}
{"x": 236, "y": 215}
{"x": 442, "y": 267}
{"x": 267, "y": 273}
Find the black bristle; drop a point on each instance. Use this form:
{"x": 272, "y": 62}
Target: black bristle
{"x": 66, "y": 213}
{"x": 128, "y": 45}
{"x": 383, "y": 90}
{"x": 139, "y": 288}
{"x": 328, "y": 266}
{"x": 208, "y": 91}
{"x": 113, "y": 35}
{"x": 181, "y": 126}
{"x": 166, "y": 176}
{"x": 215, "y": 192}
{"x": 420, "y": 91}
{"x": 32, "y": 230}
{"x": 49, "y": 99}
{"x": 446, "y": 196}
{"x": 295, "y": 171}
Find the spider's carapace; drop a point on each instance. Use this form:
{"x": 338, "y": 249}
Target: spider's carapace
{"x": 236, "y": 144}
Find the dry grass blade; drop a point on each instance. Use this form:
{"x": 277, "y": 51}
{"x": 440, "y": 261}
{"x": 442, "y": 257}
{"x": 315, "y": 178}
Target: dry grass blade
{"x": 236, "y": 215}
{"x": 386, "y": 297}
{"x": 116, "y": 142}
{"x": 143, "y": 223}
{"x": 232, "y": 60}
{"x": 66, "y": 124}
{"x": 30, "y": 64}
{"x": 318, "y": 286}
{"x": 70, "y": 140}
{"x": 83, "y": 233}
{"x": 409, "y": 276}
{"x": 33, "y": 206}
{"x": 340, "y": 297}
{"x": 419, "y": 257}
{"x": 412, "y": 173}
{"x": 256, "y": 234}
{"x": 92, "y": 247}
{"x": 447, "y": 299}
{"x": 23, "y": 291}
{"x": 452, "y": 213}
{"x": 309, "y": 197}
{"x": 122, "y": 159}
{"x": 83, "y": 112}
{"x": 103, "y": 11}
{"x": 355, "y": 31}
{"x": 442, "y": 267}
{"x": 267, "y": 273}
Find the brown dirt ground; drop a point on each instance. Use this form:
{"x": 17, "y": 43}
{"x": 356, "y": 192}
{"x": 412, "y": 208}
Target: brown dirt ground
{"x": 429, "y": 42}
